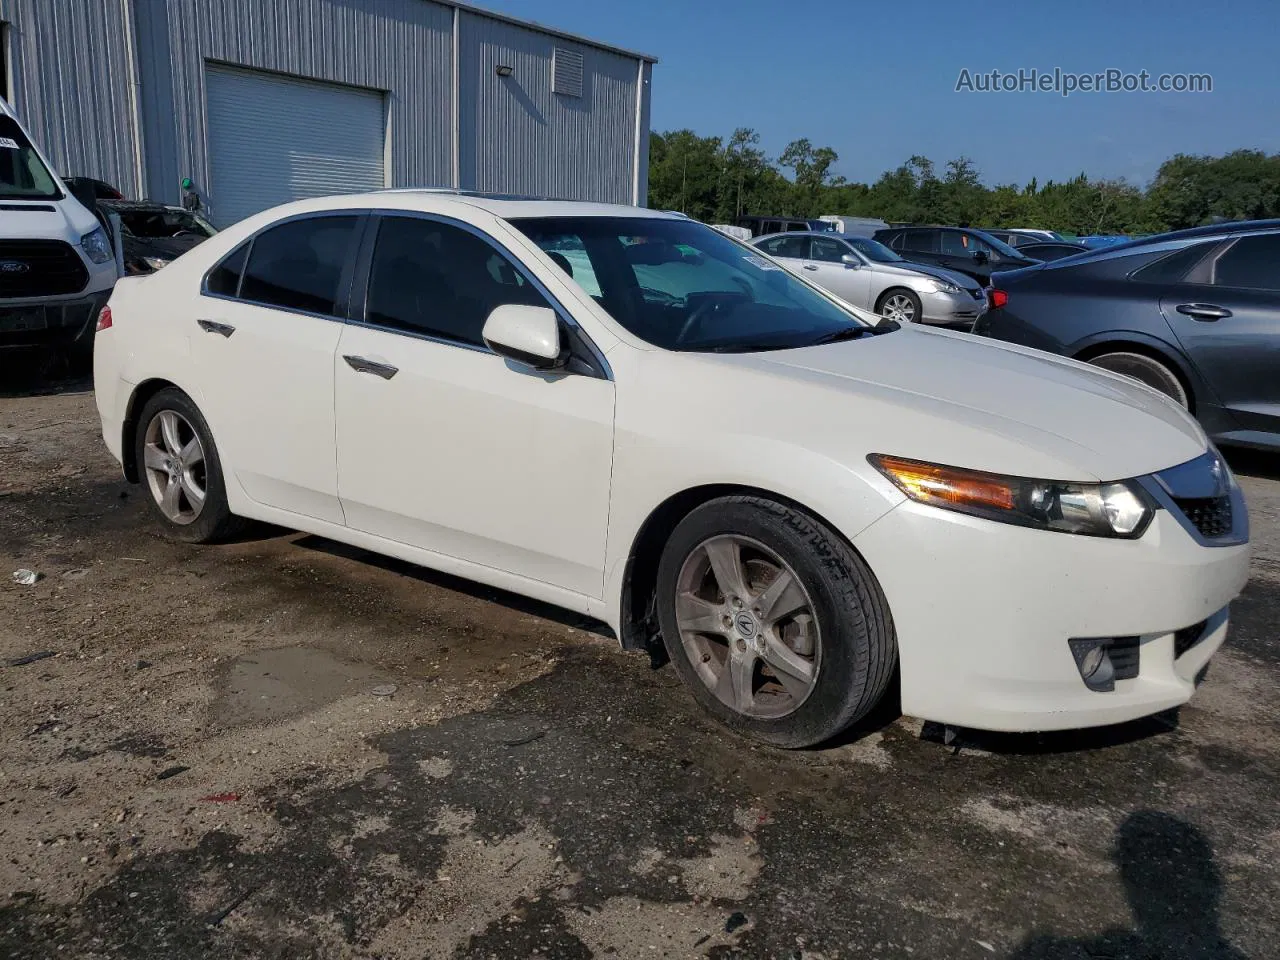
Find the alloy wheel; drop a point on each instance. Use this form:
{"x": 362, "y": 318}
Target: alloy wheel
{"x": 748, "y": 626}
{"x": 899, "y": 307}
{"x": 175, "y": 466}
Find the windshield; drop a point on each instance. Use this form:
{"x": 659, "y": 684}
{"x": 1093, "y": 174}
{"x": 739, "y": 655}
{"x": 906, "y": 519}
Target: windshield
{"x": 680, "y": 285}
{"x": 23, "y": 176}
{"x": 872, "y": 249}
{"x": 160, "y": 224}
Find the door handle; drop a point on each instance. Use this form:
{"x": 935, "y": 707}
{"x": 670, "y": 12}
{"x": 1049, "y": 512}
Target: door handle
{"x": 811, "y": 266}
{"x": 1204, "y": 312}
{"x": 213, "y": 326}
{"x": 361, "y": 365}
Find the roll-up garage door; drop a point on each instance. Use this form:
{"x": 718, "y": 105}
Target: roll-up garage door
{"x": 273, "y": 139}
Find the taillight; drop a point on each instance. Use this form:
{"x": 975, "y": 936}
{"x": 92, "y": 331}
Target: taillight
{"x": 998, "y": 299}
{"x": 104, "y": 319}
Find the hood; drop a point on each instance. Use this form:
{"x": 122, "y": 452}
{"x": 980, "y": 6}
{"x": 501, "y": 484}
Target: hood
{"x": 166, "y": 248}
{"x": 63, "y": 219}
{"x": 961, "y": 280}
{"x": 969, "y": 402}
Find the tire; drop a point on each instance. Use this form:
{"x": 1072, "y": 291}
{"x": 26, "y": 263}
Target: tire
{"x": 194, "y": 469}
{"x": 847, "y": 639}
{"x": 901, "y": 304}
{"x": 1147, "y": 370}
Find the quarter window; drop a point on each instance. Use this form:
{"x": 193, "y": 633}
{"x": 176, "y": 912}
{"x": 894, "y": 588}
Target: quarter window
{"x": 439, "y": 280}
{"x": 1176, "y": 266}
{"x": 224, "y": 279}
{"x": 299, "y": 264}
{"x": 1252, "y": 263}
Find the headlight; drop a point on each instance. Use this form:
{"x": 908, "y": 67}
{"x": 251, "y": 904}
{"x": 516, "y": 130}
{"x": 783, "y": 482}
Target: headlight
{"x": 155, "y": 263}
{"x": 942, "y": 286}
{"x": 1121, "y": 509}
{"x": 96, "y": 246}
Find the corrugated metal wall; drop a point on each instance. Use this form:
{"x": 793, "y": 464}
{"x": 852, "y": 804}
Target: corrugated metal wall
{"x": 519, "y": 137}
{"x": 71, "y": 70}
{"x": 402, "y": 47}
{"x": 74, "y": 62}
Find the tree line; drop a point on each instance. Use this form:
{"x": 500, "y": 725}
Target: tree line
{"x": 716, "y": 179}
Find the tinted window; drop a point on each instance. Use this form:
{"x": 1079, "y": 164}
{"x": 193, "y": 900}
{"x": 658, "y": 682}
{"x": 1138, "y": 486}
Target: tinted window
{"x": 224, "y": 279}
{"x": 1252, "y": 263}
{"x": 298, "y": 265}
{"x": 919, "y": 241}
{"x": 796, "y": 248}
{"x": 828, "y": 251}
{"x": 1173, "y": 267}
{"x": 440, "y": 280}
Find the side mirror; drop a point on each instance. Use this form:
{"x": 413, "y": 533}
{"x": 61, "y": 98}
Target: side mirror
{"x": 850, "y": 261}
{"x": 528, "y": 335}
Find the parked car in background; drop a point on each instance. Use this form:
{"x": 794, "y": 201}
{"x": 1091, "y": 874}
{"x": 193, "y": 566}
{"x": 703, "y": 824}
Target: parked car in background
{"x": 961, "y": 249}
{"x": 1095, "y": 242}
{"x": 1194, "y": 314}
{"x": 84, "y": 188}
{"x": 1018, "y": 237}
{"x": 156, "y": 233}
{"x": 803, "y": 503}
{"x": 867, "y": 274}
{"x": 854, "y": 226}
{"x": 729, "y": 230}
{"x": 759, "y": 226}
{"x": 1051, "y": 250}
{"x": 57, "y": 262}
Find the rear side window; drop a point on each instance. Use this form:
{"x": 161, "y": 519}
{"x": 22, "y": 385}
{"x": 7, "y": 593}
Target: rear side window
{"x": 224, "y": 279}
{"x": 439, "y": 280}
{"x": 920, "y": 241}
{"x": 299, "y": 265}
{"x": 1252, "y": 263}
{"x": 1174, "y": 267}
{"x": 796, "y": 248}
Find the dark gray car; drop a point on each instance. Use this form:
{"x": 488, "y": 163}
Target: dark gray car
{"x": 1194, "y": 314}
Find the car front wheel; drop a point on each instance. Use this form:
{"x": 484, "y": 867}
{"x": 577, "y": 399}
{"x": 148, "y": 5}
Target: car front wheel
{"x": 778, "y": 628}
{"x": 179, "y": 466}
{"x": 901, "y": 305}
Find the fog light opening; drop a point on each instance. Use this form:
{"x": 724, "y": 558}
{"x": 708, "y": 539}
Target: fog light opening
{"x": 1094, "y": 664}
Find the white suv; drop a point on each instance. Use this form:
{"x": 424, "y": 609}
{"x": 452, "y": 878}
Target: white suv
{"x": 57, "y": 264}
{"x": 631, "y": 415}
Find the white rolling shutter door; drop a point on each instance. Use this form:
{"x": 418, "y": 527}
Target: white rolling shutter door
{"x": 273, "y": 139}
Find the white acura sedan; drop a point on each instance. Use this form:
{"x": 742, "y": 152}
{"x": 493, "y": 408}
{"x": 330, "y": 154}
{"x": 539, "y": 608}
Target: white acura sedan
{"x": 631, "y": 415}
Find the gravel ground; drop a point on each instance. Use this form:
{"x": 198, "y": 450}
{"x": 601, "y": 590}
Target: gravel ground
{"x": 200, "y": 766}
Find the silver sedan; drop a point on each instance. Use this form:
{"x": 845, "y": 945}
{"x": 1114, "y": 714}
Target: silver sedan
{"x": 868, "y": 274}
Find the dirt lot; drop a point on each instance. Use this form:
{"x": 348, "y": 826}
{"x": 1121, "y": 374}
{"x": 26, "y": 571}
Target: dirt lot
{"x": 202, "y": 767}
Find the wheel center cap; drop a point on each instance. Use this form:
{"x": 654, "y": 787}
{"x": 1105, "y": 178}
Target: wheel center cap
{"x": 746, "y": 625}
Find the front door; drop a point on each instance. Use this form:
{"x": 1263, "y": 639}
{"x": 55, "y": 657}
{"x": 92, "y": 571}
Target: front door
{"x": 826, "y": 266}
{"x": 263, "y": 341}
{"x": 1230, "y": 328}
{"x": 446, "y": 446}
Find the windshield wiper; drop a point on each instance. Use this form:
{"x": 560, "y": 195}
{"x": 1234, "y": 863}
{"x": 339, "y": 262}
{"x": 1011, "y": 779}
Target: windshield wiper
{"x": 852, "y": 333}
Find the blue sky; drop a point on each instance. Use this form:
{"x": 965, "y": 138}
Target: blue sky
{"x": 875, "y": 79}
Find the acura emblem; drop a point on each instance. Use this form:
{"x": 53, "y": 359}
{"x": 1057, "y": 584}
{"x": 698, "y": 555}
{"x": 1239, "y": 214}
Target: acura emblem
{"x": 14, "y": 266}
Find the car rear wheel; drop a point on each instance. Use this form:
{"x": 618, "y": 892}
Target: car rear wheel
{"x": 777, "y": 627}
{"x": 1144, "y": 369}
{"x": 180, "y": 468}
{"x": 899, "y": 304}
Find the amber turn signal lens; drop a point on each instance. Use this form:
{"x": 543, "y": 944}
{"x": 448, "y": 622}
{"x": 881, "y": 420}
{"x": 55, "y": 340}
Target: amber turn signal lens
{"x": 948, "y": 486}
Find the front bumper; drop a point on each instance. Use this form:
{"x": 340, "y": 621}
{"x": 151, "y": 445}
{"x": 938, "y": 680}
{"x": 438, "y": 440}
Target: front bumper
{"x": 51, "y": 323}
{"x": 984, "y": 612}
{"x": 952, "y": 309}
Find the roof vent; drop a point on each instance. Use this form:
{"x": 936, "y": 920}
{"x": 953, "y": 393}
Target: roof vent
{"x": 566, "y": 72}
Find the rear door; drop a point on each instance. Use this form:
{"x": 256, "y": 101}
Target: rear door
{"x": 790, "y": 251}
{"x": 1230, "y": 327}
{"x": 826, "y": 266}
{"x": 264, "y": 338}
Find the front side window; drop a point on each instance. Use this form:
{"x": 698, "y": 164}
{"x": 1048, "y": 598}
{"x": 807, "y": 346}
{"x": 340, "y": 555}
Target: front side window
{"x": 680, "y": 285}
{"x": 793, "y": 248}
{"x": 1252, "y": 263}
{"x": 298, "y": 265}
{"x": 23, "y": 175}
{"x": 828, "y": 251}
{"x": 439, "y": 280}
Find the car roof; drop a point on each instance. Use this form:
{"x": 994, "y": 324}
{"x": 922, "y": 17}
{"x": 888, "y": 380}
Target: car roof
{"x": 506, "y": 206}
{"x": 824, "y": 234}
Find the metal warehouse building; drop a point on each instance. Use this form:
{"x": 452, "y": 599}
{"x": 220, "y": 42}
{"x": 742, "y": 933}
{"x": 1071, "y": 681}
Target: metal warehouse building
{"x": 262, "y": 101}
